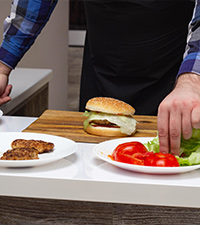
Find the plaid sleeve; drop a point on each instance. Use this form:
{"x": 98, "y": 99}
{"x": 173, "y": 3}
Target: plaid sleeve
{"x": 191, "y": 61}
{"x": 21, "y": 28}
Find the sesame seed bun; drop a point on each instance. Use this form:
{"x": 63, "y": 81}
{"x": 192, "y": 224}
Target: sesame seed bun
{"x": 110, "y": 105}
{"x": 106, "y": 131}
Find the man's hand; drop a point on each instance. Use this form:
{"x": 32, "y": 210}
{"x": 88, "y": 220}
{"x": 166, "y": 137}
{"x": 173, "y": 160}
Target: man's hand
{"x": 179, "y": 112}
{"x": 5, "y": 89}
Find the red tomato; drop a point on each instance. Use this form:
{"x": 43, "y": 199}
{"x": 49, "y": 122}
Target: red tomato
{"x": 124, "y": 152}
{"x": 138, "y": 158}
{"x": 162, "y": 160}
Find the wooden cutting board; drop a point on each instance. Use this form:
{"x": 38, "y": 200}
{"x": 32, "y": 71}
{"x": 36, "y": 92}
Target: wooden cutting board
{"x": 70, "y": 125}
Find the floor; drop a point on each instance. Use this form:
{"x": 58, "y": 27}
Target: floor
{"x": 75, "y": 64}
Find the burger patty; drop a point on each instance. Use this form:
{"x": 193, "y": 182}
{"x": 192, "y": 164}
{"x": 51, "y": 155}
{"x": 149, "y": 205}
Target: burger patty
{"x": 20, "y": 154}
{"x": 39, "y": 145}
{"x": 103, "y": 123}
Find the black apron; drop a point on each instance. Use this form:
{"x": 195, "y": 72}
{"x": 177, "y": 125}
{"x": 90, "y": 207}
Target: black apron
{"x": 133, "y": 50}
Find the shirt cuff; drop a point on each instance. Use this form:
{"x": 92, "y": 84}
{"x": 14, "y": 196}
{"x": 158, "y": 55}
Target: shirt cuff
{"x": 191, "y": 64}
{"x": 8, "y": 58}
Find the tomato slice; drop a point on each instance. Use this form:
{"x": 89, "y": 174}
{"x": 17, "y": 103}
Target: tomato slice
{"x": 124, "y": 152}
{"x": 138, "y": 158}
{"x": 162, "y": 160}
{"x": 136, "y": 153}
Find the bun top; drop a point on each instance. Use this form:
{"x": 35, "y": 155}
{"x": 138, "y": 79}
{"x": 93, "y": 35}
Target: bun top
{"x": 109, "y": 105}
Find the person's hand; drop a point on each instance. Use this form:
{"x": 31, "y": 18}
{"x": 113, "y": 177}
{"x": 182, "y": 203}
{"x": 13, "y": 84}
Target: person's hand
{"x": 178, "y": 113}
{"x": 5, "y": 89}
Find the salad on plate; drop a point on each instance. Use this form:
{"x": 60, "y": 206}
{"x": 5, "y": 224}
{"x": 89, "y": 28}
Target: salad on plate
{"x": 189, "y": 149}
{"x": 148, "y": 154}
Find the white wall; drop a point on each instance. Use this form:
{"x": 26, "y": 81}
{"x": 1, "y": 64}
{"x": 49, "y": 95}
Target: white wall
{"x": 50, "y": 51}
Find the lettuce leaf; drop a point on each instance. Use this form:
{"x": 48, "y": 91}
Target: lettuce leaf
{"x": 191, "y": 145}
{"x": 86, "y": 121}
{"x": 193, "y": 159}
{"x": 127, "y": 124}
{"x": 153, "y": 145}
{"x": 189, "y": 149}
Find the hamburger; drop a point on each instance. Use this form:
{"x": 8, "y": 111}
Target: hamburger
{"x": 109, "y": 117}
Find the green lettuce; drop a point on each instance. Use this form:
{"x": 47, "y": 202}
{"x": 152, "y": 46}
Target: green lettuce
{"x": 153, "y": 145}
{"x": 86, "y": 121}
{"x": 189, "y": 149}
{"x": 193, "y": 159}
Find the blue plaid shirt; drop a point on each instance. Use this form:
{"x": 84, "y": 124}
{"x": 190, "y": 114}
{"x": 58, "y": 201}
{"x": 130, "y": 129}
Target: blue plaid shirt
{"x": 21, "y": 28}
{"x": 191, "y": 61}
{"x": 28, "y": 17}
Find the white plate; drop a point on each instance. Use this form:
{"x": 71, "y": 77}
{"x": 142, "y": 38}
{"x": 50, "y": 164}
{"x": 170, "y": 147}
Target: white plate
{"x": 103, "y": 149}
{"x": 63, "y": 147}
{"x": 1, "y": 113}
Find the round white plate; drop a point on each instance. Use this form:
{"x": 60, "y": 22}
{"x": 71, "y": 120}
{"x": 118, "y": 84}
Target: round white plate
{"x": 103, "y": 149}
{"x": 63, "y": 147}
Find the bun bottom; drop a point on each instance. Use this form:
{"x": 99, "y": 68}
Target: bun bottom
{"x": 106, "y": 131}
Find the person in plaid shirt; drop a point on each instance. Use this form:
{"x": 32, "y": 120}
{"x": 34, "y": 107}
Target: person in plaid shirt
{"x": 178, "y": 113}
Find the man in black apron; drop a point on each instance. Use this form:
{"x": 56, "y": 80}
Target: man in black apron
{"x": 133, "y": 50}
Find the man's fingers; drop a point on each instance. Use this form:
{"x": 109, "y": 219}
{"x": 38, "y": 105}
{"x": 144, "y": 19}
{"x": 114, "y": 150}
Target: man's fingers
{"x": 196, "y": 117}
{"x": 175, "y": 129}
{"x": 4, "y": 100}
{"x": 163, "y": 126}
{"x": 169, "y": 127}
{"x": 7, "y": 91}
{"x": 186, "y": 123}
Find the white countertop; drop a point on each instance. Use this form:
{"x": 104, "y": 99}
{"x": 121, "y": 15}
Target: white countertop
{"x": 25, "y": 81}
{"x": 83, "y": 177}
